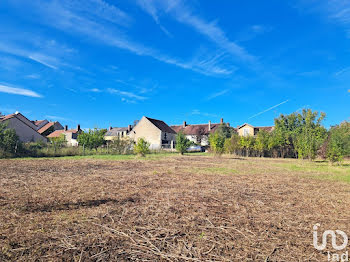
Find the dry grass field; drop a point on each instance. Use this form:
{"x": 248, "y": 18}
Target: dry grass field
{"x": 169, "y": 208}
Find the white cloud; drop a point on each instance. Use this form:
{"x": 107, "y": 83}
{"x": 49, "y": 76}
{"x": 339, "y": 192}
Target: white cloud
{"x": 95, "y": 90}
{"x": 68, "y": 18}
{"x": 18, "y": 91}
{"x": 183, "y": 14}
{"x": 126, "y": 94}
{"x": 41, "y": 59}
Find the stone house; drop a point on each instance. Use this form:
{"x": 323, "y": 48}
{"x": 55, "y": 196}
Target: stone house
{"x": 198, "y": 134}
{"x": 25, "y": 129}
{"x": 117, "y": 132}
{"x": 249, "y": 130}
{"x": 71, "y": 135}
{"x": 154, "y": 131}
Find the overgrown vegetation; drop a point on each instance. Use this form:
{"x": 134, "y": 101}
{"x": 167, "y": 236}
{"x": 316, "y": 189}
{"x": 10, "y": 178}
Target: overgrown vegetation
{"x": 298, "y": 135}
{"x": 142, "y": 147}
{"x": 182, "y": 143}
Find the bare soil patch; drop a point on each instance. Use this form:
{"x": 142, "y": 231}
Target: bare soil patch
{"x": 190, "y": 208}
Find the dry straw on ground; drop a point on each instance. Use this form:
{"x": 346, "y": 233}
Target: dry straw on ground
{"x": 191, "y": 208}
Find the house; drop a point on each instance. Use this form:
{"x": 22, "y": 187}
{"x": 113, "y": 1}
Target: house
{"x": 71, "y": 135}
{"x": 249, "y": 130}
{"x": 45, "y": 127}
{"x": 117, "y": 132}
{"x": 25, "y": 129}
{"x": 154, "y": 131}
{"x": 198, "y": 134}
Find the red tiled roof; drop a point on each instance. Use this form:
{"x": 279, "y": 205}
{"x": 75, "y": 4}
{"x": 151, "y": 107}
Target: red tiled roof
{"x": 202, "y": 129}
{"x": 57, "y": 133}
{"x": 38, "y": 122}
{"x": 4, "y": 118}
{"x": 46, "y": 127}
{"x": 161, "y": 125}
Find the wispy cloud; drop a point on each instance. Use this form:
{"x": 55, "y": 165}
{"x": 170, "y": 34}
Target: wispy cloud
{"x": 42, "y": 60}
{"x": 181, "y": 12}
{"x": 95, "y": 90}
{"x": 217, "y": 94}
{"x": 18, "y": 91}
{"x": 336, "y": 11}
{"x": 342, "y": 71}
{"x": 149, "y": 7}
{"x": 126, "y": 94}
{"x": 270, "y": 108}
{"x": 200, "y": 113}
{"x": 68, "y": 18}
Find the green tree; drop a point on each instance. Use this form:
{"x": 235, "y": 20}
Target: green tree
{"x": 232, "y": 144}
{"x": 92, "y": 139}
{"x": 9, "y": 140}
{"x": 261, "y": 142}
{"x": 142, "y": 147}
{"x": 247, "y": 144}
{"x": 58, "y": 142}
{"x": 217, "y": 143}
{"x": 310, "y": 134}
{"x": 182, "y": 143}
{"x": 339, "y": 142}
{"x": 225, "y": 130}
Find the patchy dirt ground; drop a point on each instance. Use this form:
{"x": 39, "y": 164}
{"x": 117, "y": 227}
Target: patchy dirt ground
{"x": 190, "y": 208}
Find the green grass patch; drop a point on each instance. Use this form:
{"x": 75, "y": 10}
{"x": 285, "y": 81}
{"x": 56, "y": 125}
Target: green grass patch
{"x": 319, "y": 170}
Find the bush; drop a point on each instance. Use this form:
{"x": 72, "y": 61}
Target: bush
{"x": 182, "y": 143}
{"x": 232, "y": 144}
{"x": 339, "y": 142}
{"x": 92, "y": 139}
{"x": 142, "y": 147}
{"x": 217, "y": 143}
{"x": 120, "y": 146}
{"x": 9, "y": 141}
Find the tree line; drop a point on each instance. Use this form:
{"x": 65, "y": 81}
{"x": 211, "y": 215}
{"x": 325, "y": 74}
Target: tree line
{"x": 297, "y": 135}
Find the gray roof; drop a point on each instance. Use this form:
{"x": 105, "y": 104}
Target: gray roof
{"x": 114, "y": 131}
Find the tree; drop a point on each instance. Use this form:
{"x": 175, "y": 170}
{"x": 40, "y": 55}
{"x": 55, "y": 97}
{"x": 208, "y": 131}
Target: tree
{"x": 92, "y": 139}
{"x": 182, "y": 143}
{"x": 225, "y": 130}
{"x": 247, "y": 143}
{"x": 339, "y": 142}
{"x": 142, "y": 147}
{"x": 58, "y": 142}
{"x": 232, "y": 145}
{"x": 9, "y": 140}
{"x": 121, "y": 145}
{"x": 217, "y": 143}
{"x": 261, "y": 142}
{"x": 310, "y": 134}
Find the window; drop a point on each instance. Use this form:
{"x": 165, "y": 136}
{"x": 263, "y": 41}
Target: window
{"x": 165, "y": 137}
{"x": 246, "y": 132}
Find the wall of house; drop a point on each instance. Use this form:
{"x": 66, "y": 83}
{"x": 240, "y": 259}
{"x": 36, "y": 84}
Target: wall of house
{"x": 204, "y": 139}
{"x": 249, "y": 131}
{"x": 71, "y": 138}
{"x": 24, "y": 132}
{"x": 145, "y": 129}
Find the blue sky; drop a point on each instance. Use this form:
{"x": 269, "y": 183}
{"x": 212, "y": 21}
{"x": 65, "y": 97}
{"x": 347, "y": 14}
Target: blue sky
{"x": 104, "y": 62}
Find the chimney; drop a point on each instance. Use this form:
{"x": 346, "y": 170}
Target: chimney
{"x": 78, "y": 127}
{"x": 65, "y": 128}
{"x": 110, "y": 128}
{"x": 221, "y": 121}
{"x": 184, "y": 124}
{"x": 129, "y": 128}
{"x": 209, "y": 126}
